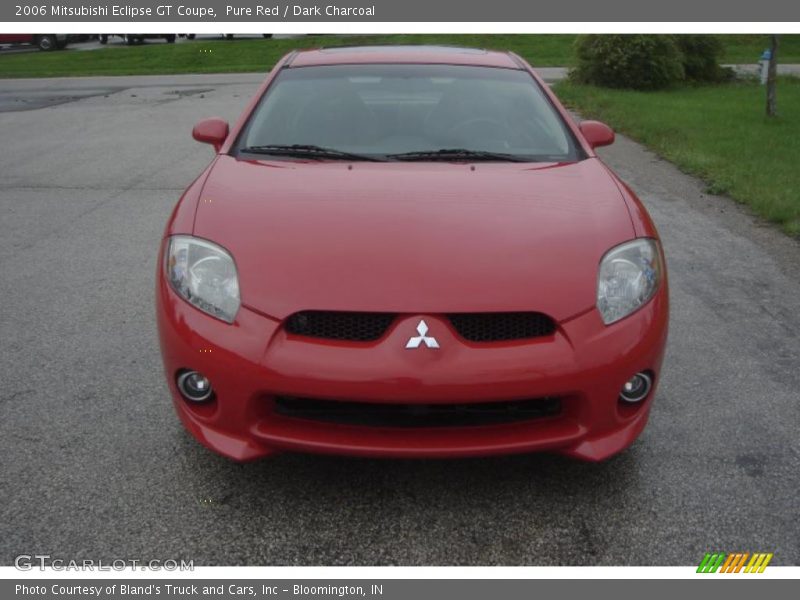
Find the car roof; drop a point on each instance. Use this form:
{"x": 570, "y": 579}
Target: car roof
{"x": 449, "y": 55}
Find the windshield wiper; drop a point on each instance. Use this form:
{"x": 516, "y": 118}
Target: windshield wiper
{"x": 457, "y": 154}
{"x": 309, "y": 151}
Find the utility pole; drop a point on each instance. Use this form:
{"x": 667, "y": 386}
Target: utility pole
{"x": 772, "y": 78}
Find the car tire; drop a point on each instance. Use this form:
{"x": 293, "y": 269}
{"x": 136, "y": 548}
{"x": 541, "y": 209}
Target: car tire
{"x": 104, "y": 39}
{"x": 267, "y": 35}
{"x": 228, "y": 36}
{"x": 170, "y": 39}
{"x": 190, "y": 36}
{"x": 47, "y": 42}
{"x": 130, "y": 40}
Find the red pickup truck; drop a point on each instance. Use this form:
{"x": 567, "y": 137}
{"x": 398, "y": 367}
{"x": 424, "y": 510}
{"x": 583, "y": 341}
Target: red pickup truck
{"x": 45, "y": 41}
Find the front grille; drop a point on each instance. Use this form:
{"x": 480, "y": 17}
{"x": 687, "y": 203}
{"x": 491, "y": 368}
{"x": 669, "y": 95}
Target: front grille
{"x": 416, "y": 415}
{"x": 335, "y": 325}
{"x": 369, "y": 326}
{"x": 498, "y": 327}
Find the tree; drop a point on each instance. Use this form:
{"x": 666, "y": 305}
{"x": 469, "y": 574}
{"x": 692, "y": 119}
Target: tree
{"x": 772, "y": 77}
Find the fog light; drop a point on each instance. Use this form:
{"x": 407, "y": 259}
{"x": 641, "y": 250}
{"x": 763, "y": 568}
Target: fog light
{"x": 636, "y": 388}
{"x": 194, "y": 386}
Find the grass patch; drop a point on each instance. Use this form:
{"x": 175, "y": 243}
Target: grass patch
{"x": 747, "y": 48}
{"x": 254, "y": 55}
{"x": 718, "y": 133}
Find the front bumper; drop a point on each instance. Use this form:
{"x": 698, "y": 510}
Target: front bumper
{"x": 253, "y": 361}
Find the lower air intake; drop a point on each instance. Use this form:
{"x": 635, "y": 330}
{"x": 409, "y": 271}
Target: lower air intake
{"x": 373, "y": 414}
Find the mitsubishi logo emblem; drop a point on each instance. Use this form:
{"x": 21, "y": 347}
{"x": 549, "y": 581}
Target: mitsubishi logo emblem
{"x": 422, "y": 338}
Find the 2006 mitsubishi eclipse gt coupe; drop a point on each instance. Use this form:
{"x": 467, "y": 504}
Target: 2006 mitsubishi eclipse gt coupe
{"x": 410, "y": 252}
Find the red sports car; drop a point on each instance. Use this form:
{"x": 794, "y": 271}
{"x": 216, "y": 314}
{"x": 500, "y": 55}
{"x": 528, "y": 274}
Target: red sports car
{"x": 410, "y": 252}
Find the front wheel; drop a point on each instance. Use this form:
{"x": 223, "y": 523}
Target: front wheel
{"x": 267, "y": 35}
{"x": 47, "y": 42}
{"x": 104, "y": 39}
{"x": 228, "y": 36}
{"x": 170, "y": 39}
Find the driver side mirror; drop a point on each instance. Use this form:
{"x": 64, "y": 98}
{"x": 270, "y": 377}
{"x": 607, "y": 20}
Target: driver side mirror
{"x": 212, "y": 131}
{"x": 597, "y": 133}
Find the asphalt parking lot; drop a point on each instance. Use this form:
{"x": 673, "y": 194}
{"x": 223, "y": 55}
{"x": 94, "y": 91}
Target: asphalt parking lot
{"x": 94, "y": 464}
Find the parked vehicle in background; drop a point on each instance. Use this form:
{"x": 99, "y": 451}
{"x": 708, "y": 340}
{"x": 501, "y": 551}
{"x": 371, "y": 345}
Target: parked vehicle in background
{"x": 138, "y": 38}
{"x": 44, "y": 41}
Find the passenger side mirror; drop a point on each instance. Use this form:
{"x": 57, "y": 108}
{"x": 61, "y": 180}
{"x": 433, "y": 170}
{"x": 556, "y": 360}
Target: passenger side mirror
{"x": 212, "y": 131}
{"x": 597, "y": 133}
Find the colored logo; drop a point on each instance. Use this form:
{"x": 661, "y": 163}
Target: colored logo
{"x": 734, "y": 562}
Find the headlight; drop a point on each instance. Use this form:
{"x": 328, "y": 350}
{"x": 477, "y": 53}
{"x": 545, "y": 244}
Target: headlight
{"x": 629, "y": 276}
{"x": 204, "y": 275}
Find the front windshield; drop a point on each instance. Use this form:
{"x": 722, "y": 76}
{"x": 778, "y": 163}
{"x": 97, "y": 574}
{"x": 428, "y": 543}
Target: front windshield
{"x": 386, "y": 110}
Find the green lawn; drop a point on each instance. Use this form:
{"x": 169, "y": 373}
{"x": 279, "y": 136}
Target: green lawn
{"x": 746, "y": 49}
{"x": 258, "y": 55}
{"x": 252, "y": 55}
{"x": 718, "y": 133}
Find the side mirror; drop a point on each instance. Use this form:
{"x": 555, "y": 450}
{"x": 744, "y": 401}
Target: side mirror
{"x": 597, "y": 133}
{"x": 212, "y": 131}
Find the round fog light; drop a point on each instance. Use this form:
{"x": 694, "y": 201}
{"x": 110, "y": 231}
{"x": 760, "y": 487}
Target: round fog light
{"x": 194, "y": 386}
{"x": 636, "y": 388}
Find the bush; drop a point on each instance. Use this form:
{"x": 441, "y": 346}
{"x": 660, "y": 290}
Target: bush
{"x": 640, "y": 62}
{"x": 649, "y": 62}
{"x": 701, "y": 55}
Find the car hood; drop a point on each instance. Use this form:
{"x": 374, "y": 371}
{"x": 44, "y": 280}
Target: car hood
{"x": 414, "y": 237}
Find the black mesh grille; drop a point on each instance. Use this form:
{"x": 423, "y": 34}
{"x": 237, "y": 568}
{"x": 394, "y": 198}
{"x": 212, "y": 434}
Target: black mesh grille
{"x": 332, "y": 325}
{"x": 497, "y": 327}
{"x": 367, "y": 327}
{"x": 416, "y": 415}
